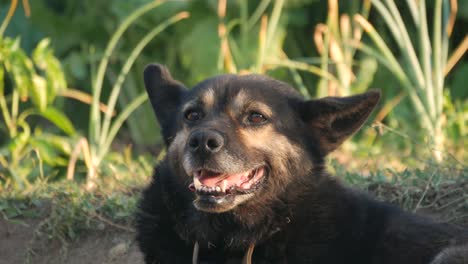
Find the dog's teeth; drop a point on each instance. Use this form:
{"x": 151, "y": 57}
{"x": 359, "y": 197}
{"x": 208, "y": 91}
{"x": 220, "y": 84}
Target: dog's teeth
{"x": 197, "y": 183}
{"x": 224, "y": 186}
{"x": 218, "y": 189}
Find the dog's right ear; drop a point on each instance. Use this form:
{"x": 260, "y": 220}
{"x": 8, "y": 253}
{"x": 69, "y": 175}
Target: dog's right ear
{"x": 165, "y": 95}
{"x": 333, "y": 119}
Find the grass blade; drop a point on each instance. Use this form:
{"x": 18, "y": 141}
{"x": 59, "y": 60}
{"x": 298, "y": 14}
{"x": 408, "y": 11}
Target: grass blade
{"x": 117, "y": 124}
{"x": 398, "y": 71}
{"x": 273, "y": 23}
{"x": 415, "y": 13}
{"x": 391, "y": 24}
{"x": 408, "y": 48}
{"x": 425, "y": 54}
{"x": 244, "y": 12}
{"x": 304, "y": 67}
{"x": 257, "y": 13}
{"x": 437, "y": 50}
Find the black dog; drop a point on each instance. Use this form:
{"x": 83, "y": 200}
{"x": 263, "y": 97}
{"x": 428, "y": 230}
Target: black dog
{"x": 244, "y": 180}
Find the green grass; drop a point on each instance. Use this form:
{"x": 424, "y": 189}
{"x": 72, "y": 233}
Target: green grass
{"x": 64, "y": 211}
{"x": 438, "y": 190}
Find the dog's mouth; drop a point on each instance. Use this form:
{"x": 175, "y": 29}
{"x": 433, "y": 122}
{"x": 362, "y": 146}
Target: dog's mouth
{"x": 219, "y": 184}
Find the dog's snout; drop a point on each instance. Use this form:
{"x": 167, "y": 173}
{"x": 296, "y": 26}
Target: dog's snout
{"x": 205, "y": 141}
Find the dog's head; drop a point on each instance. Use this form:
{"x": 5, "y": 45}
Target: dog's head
{"x": 234, "y": 138}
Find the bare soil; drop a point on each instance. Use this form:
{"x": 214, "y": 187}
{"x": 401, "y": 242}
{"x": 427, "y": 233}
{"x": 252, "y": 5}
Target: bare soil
{"x": 108, "y": 246}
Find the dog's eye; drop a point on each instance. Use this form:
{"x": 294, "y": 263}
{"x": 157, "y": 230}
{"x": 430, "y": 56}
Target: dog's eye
{"x": 256, "y": 118}
{"x": 192, "y": 115}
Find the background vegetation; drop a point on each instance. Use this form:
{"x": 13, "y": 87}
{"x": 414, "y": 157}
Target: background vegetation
{"x": 76, "y": 126}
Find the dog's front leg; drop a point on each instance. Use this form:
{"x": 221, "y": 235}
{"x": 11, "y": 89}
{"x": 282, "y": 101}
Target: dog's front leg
{"x": 157, "y": 238}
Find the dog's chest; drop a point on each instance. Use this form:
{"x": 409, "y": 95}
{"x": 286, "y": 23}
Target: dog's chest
{"x": 222, "y": 241}
{"x": 261, "y": 253}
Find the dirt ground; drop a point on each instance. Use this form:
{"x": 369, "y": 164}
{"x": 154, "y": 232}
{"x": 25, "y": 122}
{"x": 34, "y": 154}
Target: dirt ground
{"x": 109, "y": 246}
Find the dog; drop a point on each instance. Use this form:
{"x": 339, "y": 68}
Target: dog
{"x": 244, "y": 181}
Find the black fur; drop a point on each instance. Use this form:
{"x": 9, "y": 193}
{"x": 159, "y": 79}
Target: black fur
{"x": 310, "y": 218}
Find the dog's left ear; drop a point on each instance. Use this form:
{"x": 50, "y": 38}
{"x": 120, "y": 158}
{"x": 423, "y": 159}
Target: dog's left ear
{"x": 333, "y": 119}
{"x": 165, "y": 94}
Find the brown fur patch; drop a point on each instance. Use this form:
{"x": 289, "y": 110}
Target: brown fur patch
{"x": 243, "y": 103}
{"x": 266, "y": 140}
{"x": 239, "y": 102}
{"x": 176, "y": 149}
{"x": 208, "y": 98}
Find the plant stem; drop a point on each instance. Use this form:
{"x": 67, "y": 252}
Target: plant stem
{"x": 437, "y": 50}
{"x": 4, "y": 106}
{"x": 14, "y": 111}
{"x": 6, "y": 21}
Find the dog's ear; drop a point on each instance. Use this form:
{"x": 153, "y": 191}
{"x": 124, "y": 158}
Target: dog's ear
{"x": 165, "y": 95}
{"x": 333, "y": 119}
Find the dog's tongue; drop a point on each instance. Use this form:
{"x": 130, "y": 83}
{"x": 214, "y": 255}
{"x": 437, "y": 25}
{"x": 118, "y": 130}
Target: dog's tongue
{"x": 213, "y": 179}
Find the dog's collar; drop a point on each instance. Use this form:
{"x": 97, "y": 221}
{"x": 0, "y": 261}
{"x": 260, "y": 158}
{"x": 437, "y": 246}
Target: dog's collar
{"x": 246, "y": 260}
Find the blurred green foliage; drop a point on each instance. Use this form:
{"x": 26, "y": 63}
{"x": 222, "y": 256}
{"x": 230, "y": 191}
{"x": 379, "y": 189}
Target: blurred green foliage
{"x": 28, "y": 88}
{"x": 265, "y": 36}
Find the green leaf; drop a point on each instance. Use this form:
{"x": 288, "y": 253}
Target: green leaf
{"x": 59, "y": 119}
{"x": 45, "y": 60}
{"x": 38, "y": 92}
{"x": 19, "y": 142}
{"x": 61, "y": 143}
{"x": 48, "y": 153}
{"x": 19, "y": 66}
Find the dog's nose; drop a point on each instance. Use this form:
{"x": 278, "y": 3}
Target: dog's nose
{"x": 208, "y": 141}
